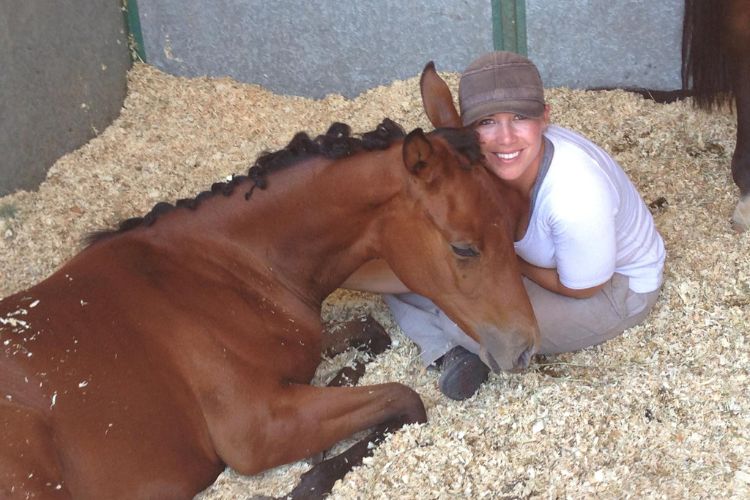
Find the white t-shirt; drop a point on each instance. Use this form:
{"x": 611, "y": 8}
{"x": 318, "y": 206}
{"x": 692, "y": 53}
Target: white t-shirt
{"x": 588, "y": 220}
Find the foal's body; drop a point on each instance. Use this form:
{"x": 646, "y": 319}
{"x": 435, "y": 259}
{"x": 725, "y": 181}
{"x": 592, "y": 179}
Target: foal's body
{"x": 164, "y": 352}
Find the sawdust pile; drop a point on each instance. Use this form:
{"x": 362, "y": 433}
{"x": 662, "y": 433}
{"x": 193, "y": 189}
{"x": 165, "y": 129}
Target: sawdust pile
{"x": 661, "y": 412}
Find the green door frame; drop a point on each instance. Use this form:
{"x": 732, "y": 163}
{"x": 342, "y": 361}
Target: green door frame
{"x": 509, "y": 25}
{"x": 133, "y": 24}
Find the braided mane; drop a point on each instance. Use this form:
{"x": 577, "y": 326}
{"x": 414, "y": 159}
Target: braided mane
{"x": 466, "y": 142}
{"x": 336, "y": 143}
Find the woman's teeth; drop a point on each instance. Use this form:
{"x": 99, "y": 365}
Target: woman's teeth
{"x": 508, "y": 156}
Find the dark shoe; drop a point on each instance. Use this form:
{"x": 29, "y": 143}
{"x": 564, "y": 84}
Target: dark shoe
{"x": 463, "y": 374}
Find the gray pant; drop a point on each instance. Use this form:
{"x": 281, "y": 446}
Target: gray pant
{"x": 566, "y": 324}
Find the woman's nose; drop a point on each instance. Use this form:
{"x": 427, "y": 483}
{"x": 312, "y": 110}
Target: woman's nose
{"x": 503, "y": 132}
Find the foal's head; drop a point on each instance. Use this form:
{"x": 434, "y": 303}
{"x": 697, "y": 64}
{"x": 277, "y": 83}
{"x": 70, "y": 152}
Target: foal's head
{"x": 458, "y": 224}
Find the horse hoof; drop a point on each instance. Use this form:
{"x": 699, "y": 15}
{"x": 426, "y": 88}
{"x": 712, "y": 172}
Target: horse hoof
{"x": 741, "y": 215}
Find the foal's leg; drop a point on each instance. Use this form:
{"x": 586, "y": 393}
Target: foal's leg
{"x": 324, "y": 475}
{"x": 305, "y": 420}
{"x": 318, "y": 481}
{"x": 365, "y": 333}
{"x": 737, "y": 43}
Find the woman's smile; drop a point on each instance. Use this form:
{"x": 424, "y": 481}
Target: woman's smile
{"x": 508, "y": 156}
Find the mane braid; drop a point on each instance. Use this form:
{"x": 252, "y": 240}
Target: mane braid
{"x": 336, "y": 143}
{"x": 465, "y": 141}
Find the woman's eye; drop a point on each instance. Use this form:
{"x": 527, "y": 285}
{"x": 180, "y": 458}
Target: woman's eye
{"x": 464, "y": 250}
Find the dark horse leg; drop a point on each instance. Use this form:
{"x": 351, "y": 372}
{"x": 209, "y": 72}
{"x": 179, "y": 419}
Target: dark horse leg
{"x": 736, "y": 40}
{"x": 365, "y": 334}
{"x": 716, "y": 68}
{"x": 325, "y": 474}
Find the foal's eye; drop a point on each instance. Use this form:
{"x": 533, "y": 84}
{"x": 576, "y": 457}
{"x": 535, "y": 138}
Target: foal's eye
{"x": 464, "y": 250}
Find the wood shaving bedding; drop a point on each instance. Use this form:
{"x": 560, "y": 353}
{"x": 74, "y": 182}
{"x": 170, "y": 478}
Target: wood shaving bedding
{"x": 661, "y": 412}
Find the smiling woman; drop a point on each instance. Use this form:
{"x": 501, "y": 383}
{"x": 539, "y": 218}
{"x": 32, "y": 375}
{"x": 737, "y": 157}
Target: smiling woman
{"x": 588, "y": 248}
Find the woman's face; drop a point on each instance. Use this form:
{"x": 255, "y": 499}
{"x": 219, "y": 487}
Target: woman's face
{"x": 512, "y": 145}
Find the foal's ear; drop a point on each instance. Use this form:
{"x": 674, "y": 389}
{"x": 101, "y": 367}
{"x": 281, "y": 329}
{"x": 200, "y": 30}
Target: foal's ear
{"x": 437, "y": 99}
{"x": 417, "y": 150}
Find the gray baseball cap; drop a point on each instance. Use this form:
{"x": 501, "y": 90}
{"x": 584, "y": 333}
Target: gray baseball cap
{"x": 500, "y": 82}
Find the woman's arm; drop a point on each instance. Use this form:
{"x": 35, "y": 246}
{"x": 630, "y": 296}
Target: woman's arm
{"x": 375, "y": 276}
{"x": 549, "y": 279}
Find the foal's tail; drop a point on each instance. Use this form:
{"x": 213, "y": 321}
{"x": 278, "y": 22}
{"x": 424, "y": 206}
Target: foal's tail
{"x": 705, "y": 70}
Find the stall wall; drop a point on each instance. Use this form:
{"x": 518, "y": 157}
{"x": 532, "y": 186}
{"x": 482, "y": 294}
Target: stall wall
{"x": 63, "y": 80}
{"x": 318, "y": 47}
{"x": 606, "y": 43}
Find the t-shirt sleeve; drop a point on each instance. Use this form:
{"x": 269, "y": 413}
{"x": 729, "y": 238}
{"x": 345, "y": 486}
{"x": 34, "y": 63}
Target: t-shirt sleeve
{"x": 583, "y": 231}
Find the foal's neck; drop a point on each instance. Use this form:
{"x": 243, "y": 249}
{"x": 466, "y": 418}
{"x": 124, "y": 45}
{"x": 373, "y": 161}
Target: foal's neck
{"x": 316, "y": 222}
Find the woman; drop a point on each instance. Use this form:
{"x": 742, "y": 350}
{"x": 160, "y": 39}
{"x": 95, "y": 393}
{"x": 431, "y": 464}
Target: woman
{"x": 590, "y": 254}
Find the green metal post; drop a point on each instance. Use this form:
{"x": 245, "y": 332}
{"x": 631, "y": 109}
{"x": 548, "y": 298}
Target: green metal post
{"x": 135, "y": 36}
{"x": 509, "y": 25}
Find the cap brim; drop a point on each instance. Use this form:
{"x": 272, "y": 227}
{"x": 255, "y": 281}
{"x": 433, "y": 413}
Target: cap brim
{"x": 525, "y": 107}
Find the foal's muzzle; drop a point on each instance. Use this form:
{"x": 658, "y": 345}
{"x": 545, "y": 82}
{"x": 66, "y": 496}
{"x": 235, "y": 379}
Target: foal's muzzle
{"x": 507, "y": 352}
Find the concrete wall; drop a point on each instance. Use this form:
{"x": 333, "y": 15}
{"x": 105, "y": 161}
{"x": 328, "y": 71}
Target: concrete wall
{"x": 606, "y": 43}
{"x": 317, "y": 47}
{"x": 62, "y": 81}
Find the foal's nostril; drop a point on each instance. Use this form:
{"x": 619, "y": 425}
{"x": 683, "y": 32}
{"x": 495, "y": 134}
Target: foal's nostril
{"x": 525, "y": 358}
{"x": 493, "y": 364}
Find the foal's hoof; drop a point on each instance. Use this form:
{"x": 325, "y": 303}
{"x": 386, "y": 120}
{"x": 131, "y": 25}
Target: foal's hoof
{"x": 362, "y": 333}
{"x": 741, "y": 215}
{"x": 378, "y": 339}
